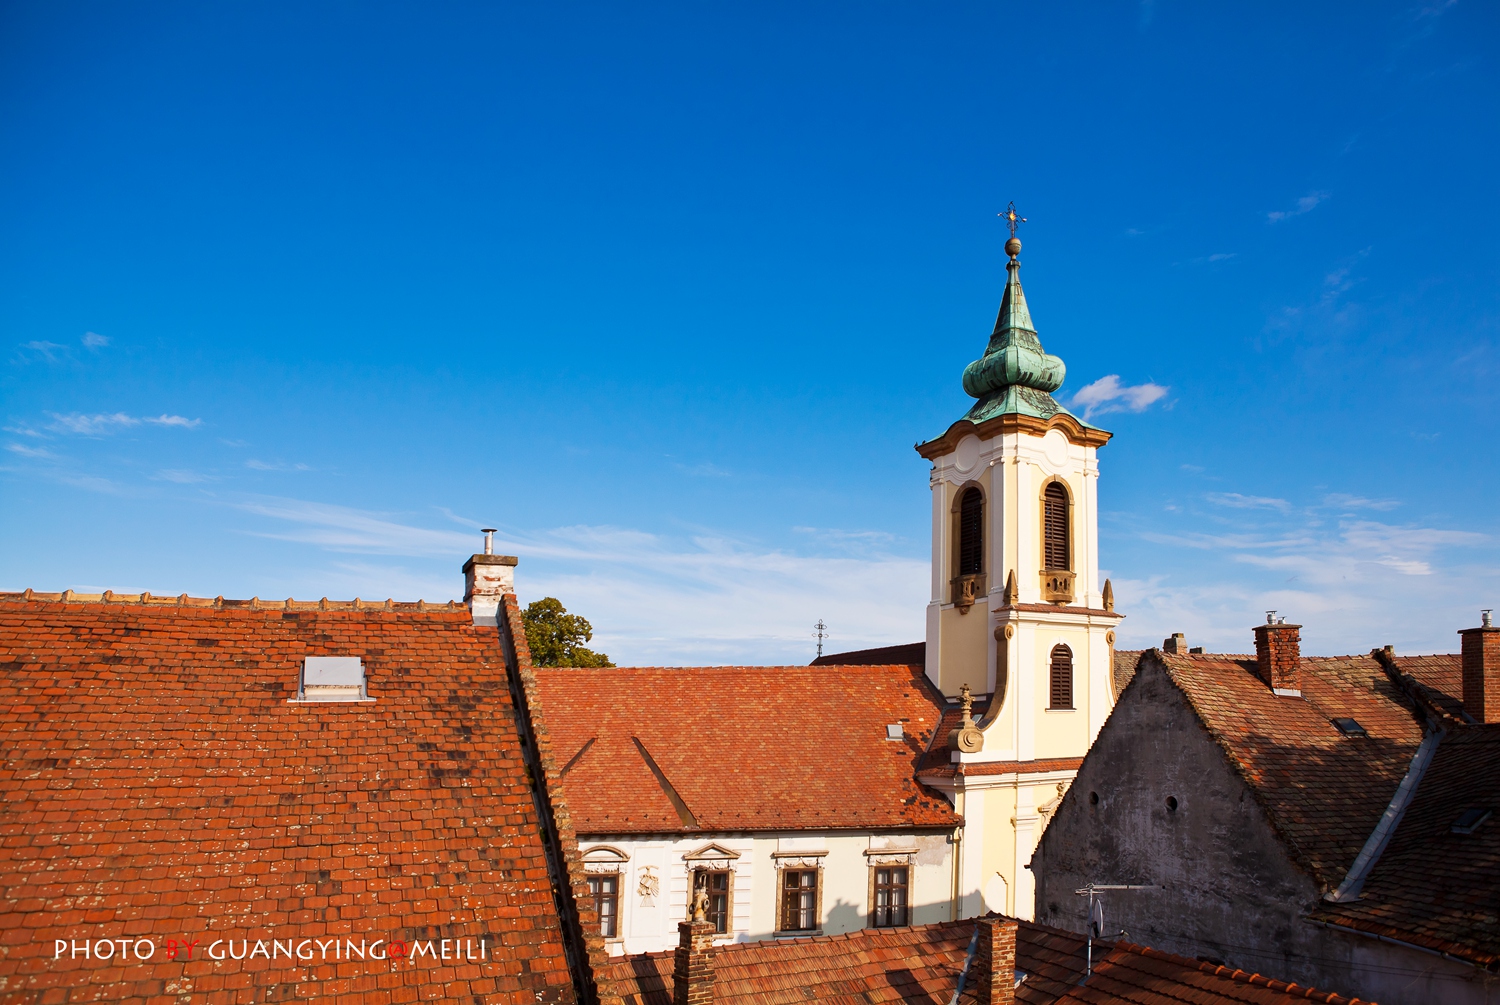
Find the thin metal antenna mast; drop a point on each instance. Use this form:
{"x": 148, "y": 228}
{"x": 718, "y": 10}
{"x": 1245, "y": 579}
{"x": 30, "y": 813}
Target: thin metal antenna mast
{"x": 1096, "y": 928}
{"x": 822, "y": 634}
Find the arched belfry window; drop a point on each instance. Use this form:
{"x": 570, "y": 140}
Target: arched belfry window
{"x": 1055, "y": 528}
{"x": 1062, "y": 677}
{"x": 971, "y": 532}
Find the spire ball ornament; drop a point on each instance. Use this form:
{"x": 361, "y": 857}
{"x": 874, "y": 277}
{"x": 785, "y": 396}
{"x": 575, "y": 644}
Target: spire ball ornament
{"x": 1013, "y": 246}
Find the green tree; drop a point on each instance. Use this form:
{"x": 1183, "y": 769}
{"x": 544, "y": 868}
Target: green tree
{"x": 556, "y": 637}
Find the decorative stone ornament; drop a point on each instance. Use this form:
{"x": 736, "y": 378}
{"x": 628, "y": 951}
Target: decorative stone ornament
{"x": 966, "y": 739}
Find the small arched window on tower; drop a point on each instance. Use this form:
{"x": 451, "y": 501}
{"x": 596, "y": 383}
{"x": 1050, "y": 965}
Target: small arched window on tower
{"x": 1062, "y": 677}
{"x": 1057, "y": 558}
{"x": 969, "y": 580}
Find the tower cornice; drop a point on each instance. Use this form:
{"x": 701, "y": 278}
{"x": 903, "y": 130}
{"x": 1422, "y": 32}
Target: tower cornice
{"x": 1012, "y": 422}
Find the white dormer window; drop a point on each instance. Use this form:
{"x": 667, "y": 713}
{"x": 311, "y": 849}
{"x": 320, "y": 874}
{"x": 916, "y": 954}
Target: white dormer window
{"x": 332, "y": 678}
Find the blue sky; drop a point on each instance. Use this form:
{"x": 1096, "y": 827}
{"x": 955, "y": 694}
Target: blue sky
{"x": 294, "y": 298}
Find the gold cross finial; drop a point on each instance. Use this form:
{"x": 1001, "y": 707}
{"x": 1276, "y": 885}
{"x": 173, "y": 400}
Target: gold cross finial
{"x": 1011, "y": 219}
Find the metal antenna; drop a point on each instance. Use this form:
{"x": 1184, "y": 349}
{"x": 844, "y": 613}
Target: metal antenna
{"x": 822, "y": 634}
{"x": 1096, "y": 918}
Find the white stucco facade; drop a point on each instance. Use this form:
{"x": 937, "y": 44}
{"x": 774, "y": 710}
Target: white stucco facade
{"x": 1002, "y": 647}
{"x": 656, "y": 875}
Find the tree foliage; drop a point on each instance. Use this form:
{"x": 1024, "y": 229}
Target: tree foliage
{"x": 556, "y": 637}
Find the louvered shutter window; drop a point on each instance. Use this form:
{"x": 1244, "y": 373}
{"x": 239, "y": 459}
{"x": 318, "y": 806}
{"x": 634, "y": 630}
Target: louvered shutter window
{"x": 1055, "y": 528}
{"x": 971, "y": 532}
{"x": 1062, "y": 677}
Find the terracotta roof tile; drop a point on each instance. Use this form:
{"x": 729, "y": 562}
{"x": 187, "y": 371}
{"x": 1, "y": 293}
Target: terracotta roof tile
{"x": 1323, "y": 791}
{"x": 908, "y": 654}
{"x": 742, "y": 748}
{"x": 1434, "y": 887}
{"x": 922, "y": 964}
{"x": 159, "y": 785}
{"x": 1123, "y": 669}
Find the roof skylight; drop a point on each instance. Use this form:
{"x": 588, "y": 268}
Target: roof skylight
{"x": 1349, "y": 727}
{"x": 1469, "y": 820}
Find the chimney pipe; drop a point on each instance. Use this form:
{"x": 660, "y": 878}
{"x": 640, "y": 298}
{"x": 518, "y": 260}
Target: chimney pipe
{"x": 993, "y": 973}
{"x": 693, "y": 965}
{"x": 1481, "y": 669}
{"x": 1278, "y": 653}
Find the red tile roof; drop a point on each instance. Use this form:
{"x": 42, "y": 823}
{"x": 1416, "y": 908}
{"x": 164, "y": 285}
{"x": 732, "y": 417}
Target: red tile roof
{"x": 1434, "y": 887}
{"x": 158, "y": 785}
{"x": 655, "y": 750}
{"x": 908, "y": 654}
{"x": 1323, "y": 791}
{"x": 1441, "y": 677}
{"x": 1123, "y": 669}
{"x": 922, "y": 964}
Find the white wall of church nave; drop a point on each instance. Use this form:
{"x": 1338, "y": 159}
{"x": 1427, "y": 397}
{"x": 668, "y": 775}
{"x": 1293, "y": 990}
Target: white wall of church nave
{"x": 648, "y": 921}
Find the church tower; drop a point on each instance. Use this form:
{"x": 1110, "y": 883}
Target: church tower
{"x": 1018, "y": 617}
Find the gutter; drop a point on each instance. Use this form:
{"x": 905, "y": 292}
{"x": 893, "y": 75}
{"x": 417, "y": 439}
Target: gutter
{"x": 1347, "y": 930}
{"x": 1375, "y": 845}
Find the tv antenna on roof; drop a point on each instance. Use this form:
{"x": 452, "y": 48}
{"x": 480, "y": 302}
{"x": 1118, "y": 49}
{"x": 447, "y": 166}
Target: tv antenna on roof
{"x": 1096, "y": 918}
{"x": 821, "y": 634}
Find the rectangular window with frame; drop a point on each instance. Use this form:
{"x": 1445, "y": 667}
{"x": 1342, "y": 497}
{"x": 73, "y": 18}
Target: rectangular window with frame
{"x": 718, "y": 884}
{"x": 799, "y": 900}
{"x": 891, "y": 895}
{"x": 604, "y": 888}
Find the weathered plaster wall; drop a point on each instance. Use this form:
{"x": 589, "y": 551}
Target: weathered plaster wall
{"x": 1222, "y": 885}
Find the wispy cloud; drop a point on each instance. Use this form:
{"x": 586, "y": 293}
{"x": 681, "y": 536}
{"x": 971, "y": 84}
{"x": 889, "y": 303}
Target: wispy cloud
{"x": 93, "y": 340}
{"x": 698, "y": 598}
{"x": 1237, "y": 501}
{"x": 703, "y": 470}
{"x": 1223, "y": 256}
{"x": 1338, "y": 500}
{"x": 182, "y": 476}
{"x": 258, "y": 465}
{"x": 1108, "y": 394}
{"x": 25, "y": 451}
{"x": 41, "y": 349}
{"x": 100, "y": 424}
{"x": 1306, "y": 204}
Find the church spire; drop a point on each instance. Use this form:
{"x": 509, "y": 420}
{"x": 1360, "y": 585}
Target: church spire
{"x": 1015, "y": 374}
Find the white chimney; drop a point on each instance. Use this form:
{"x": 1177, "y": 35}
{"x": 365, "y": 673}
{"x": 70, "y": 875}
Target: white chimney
{"x": 487, "y": 578}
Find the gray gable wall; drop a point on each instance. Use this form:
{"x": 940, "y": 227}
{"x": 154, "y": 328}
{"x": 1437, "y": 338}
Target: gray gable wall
{"x": 1224, "y": 885}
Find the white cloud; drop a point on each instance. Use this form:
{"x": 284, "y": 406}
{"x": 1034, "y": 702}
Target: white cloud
{"x": 1223, "y": 256}
{"x": 1306, "y": 204}
{"x": 25, "y": 451}
{"x": 1353, "y": 584}
{"x": 93, "y": 340}
{"x": 1107, "y": 394}
{"x": 100, "y": 423}
{"x": 258, "y": 465}
{"x": 183, "y": 477}
{"x": 1237, "y": 501}
{"x": 653, "y": 599}
{"x": 1340, "y": 501}
{"x": 46, "y": 350}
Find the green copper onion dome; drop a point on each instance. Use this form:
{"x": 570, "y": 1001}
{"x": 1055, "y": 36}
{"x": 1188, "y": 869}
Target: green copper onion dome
{"x": 1015, "y": 375}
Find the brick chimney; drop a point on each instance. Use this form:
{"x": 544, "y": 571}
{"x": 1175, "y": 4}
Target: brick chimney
{"x": 1278, "y": 651}
{"x": 1481, "y": 665}
{"x": 487, "y": 578}
{"x": 993, "y": 973}
{"x": 1176, "y": 645}
{"x": 693, "y": 966}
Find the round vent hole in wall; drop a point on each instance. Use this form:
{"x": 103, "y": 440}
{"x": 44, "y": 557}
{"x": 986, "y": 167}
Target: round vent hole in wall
{"x": 1171, "y": 804}
{"x": 1093, "y": 799}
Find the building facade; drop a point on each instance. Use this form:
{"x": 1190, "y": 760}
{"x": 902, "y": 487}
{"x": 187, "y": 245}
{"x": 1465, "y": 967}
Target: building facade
{"x": 1019, "y": 617}
{"x": 784, "y": 797}
{"x": 1321, "y": 818}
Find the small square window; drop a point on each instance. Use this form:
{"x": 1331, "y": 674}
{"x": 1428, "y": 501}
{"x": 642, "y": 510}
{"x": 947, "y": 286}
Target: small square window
{"x": 1349, "y": 727}
{"x": 1468, "y": 821}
